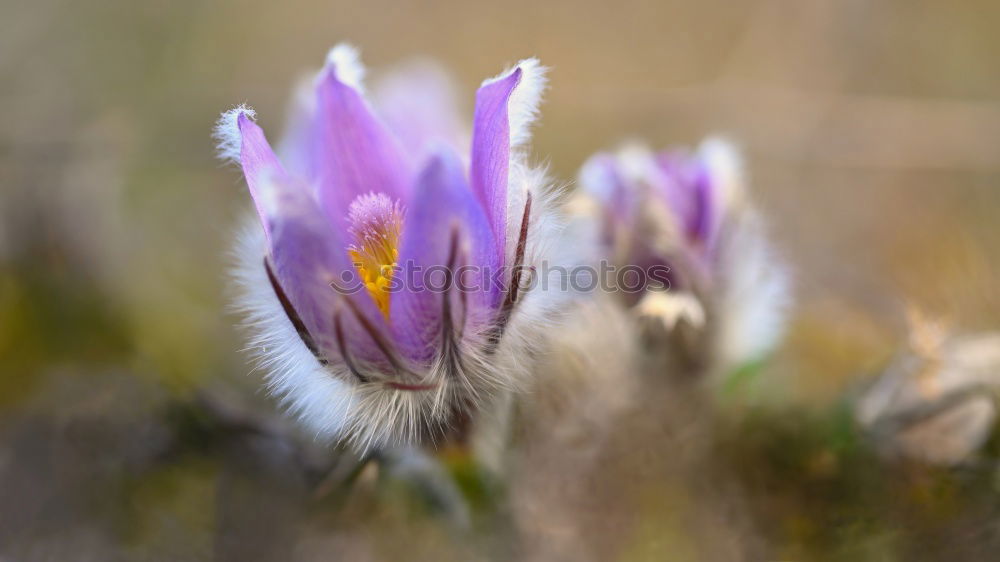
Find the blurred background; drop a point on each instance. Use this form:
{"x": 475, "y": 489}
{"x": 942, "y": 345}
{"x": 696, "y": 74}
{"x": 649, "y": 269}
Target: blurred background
{"x": 872, "y": 137}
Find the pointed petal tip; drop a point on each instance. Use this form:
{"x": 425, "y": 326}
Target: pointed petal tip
{"x": 245, "y": 117}
{"x": 343, "y": 63}
{"x": 526, "y": 69}
{"x": 516, "y": 74}
{"x": 532, "y": 67}
{"x": 358, "y": 153}
{"x": 528, "y": 82}
{"x": 534, "y": 77}
{"x": 227, "y": 132}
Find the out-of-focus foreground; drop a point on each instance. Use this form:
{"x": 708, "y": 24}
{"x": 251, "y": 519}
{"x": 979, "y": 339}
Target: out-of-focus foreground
{"x": 132, "y": 428}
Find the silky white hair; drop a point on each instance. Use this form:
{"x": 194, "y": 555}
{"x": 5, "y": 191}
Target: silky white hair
{"x": 228, "y": 140}
{"x": 522, "y": 107}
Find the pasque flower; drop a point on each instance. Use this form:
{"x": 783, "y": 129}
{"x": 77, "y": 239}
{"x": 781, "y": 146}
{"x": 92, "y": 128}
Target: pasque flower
{"x": 689, "y": 212}
{"x": 385, "y": 289}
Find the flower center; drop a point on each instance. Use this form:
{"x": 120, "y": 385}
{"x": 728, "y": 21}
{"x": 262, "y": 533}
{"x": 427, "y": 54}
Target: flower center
{"x": 376, "y": 222}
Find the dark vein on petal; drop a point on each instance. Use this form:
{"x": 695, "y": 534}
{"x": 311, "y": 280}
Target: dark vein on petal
{"x": 338, "y": 331}
{"x": 292, "y": 315}
{"x": 513, "y": 288}
{"x": 381, "y": 343}
{"x": 449, "y": 346}
{"x": 464, "y": 316}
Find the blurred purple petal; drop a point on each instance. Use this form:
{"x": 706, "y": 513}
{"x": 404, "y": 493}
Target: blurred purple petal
{"x": 702, "y": 225}
{"x": 296, "y": 148}
{"x": 688, "y": 187}
{"x": 601, "y": 178}
{"x": 418, "y": 104}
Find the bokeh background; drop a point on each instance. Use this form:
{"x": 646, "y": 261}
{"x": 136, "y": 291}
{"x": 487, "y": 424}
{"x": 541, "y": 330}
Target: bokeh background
{"x": 872, "y": 135}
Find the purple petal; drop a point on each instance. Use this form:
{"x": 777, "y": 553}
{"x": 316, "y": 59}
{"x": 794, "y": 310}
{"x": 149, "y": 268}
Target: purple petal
{"x": 306, "y": 254}
{"x": 603, "y": 180}
{"x": 688, "y": 187}
{"x": 354, "y": 152}
{"x": 491, "y": 154}
{"x": 702, "y": 225}
{"x": 310, "y": 262}
{"x": 670, "y": 185}
{"x": 260, "y": 165}
{"x": 442, "y": 210}
{"x": 305, "y": 259}
{"x": 676, "y": 184}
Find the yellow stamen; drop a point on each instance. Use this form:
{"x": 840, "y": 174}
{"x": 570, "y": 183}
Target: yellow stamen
{"x": 376, "y": 223}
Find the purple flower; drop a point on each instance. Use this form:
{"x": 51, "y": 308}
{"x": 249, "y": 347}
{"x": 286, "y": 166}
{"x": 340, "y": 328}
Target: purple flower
{"x": 657, "y": 208}
{"x": 384, "y": 293}
{"x": 688, "y": 211}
